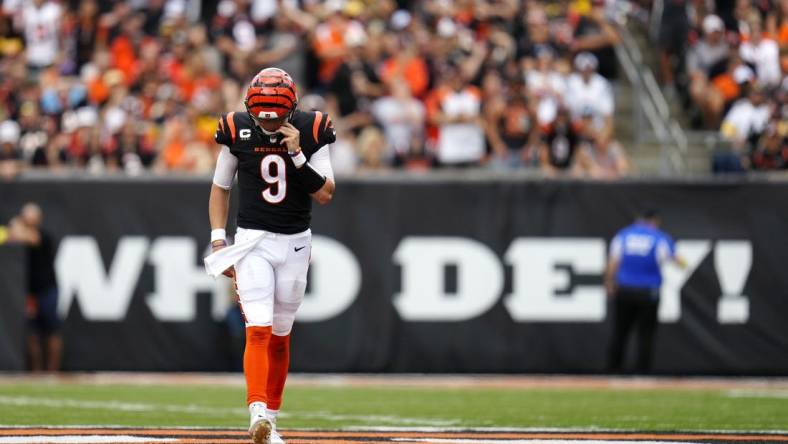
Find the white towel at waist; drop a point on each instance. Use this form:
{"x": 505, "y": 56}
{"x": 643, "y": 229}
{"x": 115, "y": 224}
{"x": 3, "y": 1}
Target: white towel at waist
{"x": 218, "y": 261}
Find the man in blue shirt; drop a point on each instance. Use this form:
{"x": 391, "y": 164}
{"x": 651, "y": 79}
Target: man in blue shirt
{"x": 633, "y": 280}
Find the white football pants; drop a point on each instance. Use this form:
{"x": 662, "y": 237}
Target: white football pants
{"x": 271, "y": 277}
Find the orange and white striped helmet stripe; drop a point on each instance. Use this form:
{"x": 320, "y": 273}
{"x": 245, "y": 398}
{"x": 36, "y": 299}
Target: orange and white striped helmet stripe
{"x": 272, "y": 94}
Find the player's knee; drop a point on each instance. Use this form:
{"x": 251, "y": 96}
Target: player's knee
{"x": 284, "y": 317}
{"x": 283, "y": 327}
{"x": 279, "y": 345}
{"x": 283, "y": 324}
{"x": 258, "y": 308}
{"x": 258, "y": 335}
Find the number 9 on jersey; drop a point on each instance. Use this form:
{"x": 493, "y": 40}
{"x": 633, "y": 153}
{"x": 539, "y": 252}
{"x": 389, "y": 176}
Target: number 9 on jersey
{"x": 278, "y": 189}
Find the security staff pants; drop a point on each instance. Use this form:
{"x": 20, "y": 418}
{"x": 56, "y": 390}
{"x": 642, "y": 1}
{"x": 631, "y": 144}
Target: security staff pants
{"x": 634, "y": 309}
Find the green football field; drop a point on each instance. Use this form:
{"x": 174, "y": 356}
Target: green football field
{"x": 48, "y": 402}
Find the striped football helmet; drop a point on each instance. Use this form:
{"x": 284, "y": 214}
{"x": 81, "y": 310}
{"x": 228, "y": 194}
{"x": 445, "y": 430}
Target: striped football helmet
{"x": 271, "y": 95}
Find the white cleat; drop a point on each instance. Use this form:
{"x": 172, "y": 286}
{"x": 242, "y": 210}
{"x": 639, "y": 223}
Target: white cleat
{"x": 260, "y": 426}
{"x": 275, "y": 437}
{"x": 260, "y": 431}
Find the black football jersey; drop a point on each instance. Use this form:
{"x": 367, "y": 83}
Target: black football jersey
{"x": 271, "y": 195}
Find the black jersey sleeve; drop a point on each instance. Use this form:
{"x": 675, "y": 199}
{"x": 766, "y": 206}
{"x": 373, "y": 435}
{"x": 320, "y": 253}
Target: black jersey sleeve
{"x": 326, "y": 132}
{"x": 225, "y": 130}
{"x": 321, "y": 129}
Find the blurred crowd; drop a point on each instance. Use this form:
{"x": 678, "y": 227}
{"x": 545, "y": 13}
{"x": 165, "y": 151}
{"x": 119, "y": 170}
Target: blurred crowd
{"x": 728, "y": 60}
{"x": 138, "y": 85}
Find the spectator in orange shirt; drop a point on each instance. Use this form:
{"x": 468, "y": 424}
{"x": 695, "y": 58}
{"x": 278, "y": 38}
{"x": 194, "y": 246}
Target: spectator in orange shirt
{"x": 777, "y": 24}
{"x": 173, "y": 146}
{"x": 124, "y": 47}
{"x": 408, "y": 64}
{"x": 728, "y": 85}
{"x": 329, "y": 40}
{"x": 196, "y": 78}
{"x": 705, "y": 59}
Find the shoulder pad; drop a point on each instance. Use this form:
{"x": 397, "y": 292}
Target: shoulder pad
{"x": 228, "y": 127}
{"x": 323, "y": 129}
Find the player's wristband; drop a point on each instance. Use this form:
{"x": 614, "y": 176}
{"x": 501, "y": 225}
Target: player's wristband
{"x": 298, "y": 159}
{"x": 310, "y": 178}
{"x": 218, "y": 235}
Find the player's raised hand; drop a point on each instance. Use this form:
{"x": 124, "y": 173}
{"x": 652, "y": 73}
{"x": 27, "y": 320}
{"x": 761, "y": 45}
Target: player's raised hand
{"x": 292, "y": 138}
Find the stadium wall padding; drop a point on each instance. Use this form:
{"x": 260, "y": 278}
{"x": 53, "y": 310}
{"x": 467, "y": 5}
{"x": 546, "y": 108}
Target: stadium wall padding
{"x": 422, "y": 275}
{"x": 13, "y": 290}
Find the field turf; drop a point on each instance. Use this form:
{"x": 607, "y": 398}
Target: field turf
{"x": 329, "y": 404}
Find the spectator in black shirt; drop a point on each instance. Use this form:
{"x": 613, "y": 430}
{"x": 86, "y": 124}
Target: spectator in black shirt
{"x": 85, "y": 32}
{"x": 560, "y": 142}
{"x": 355, "y": 84}
{"x": 771, "y": 151}
{"x": 595, "y": 34}
{"x": 44, "y": 323}
{"x": 673, "y": 30}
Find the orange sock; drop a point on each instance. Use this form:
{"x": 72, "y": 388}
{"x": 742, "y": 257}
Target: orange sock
{"x": 279, "y": 362}
{"x": 256, "y": 363}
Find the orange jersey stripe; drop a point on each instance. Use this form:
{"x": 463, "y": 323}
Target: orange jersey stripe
{"x": 231, "y": 124}
{"x": 316, "y": 124}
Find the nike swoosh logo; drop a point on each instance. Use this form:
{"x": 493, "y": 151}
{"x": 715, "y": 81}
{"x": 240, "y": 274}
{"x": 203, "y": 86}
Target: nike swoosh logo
{"x": 297, "y": 249}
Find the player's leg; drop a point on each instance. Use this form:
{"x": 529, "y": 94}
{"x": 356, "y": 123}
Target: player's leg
{"x": 647, "y": 327}
{"x": 50, "y": 328}
{"x": 623, "y": 319}
{"x": 54, "y": 345}
{"x": 34, "y": 352}
{"x": 34, "y": 335}
{"x": 290, "y": 287}
{"x": 255, "y": 282}
{"x": 279, "y": 364}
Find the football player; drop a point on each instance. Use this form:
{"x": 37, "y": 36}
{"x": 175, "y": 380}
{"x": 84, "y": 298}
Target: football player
{"x": 281, "y": 157}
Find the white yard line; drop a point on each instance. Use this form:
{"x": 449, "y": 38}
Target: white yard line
{"x": 741, "y": 393}
{"x": 117, "y": 405}
{"x": 379, "y": 419}
{"x": 426, "y": 429}
{"x": 202, "y": 410}
{"x": 99, "y": 427}
{"x": 414, "y": 380}
{"x": 78, "y": 439}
